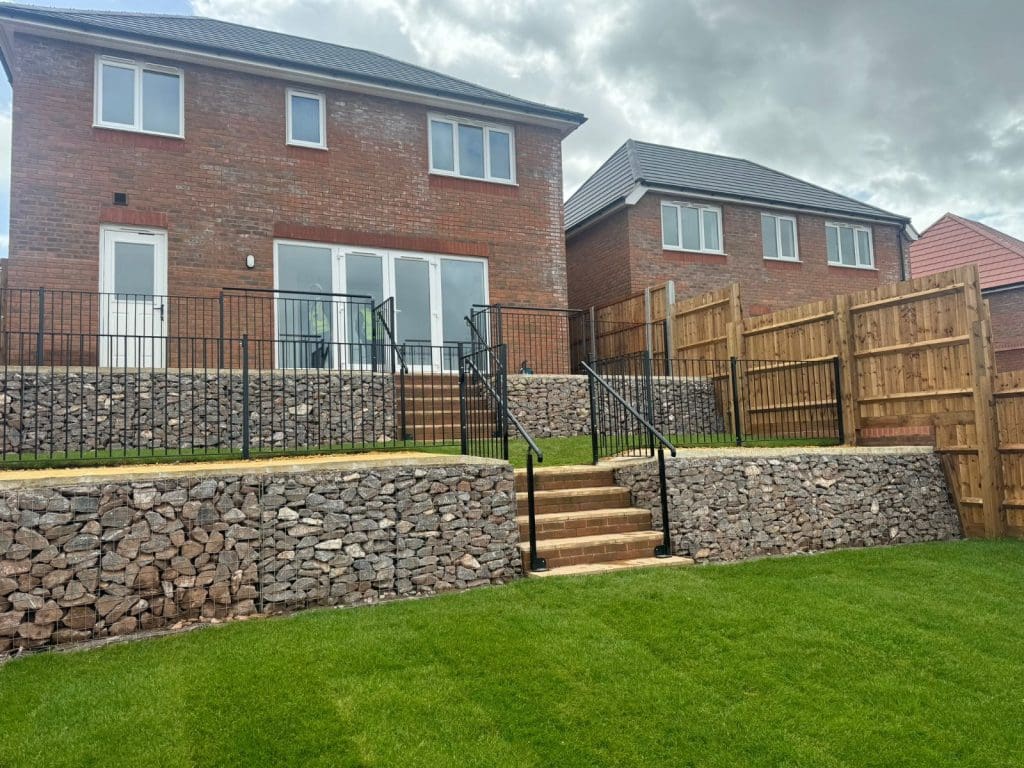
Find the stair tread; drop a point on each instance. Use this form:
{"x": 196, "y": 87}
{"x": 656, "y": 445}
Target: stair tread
{"x": 600, "y": 538}
{"x": 614, "y": 565}
{"x": 588, "y": 514}
{"x": 571, "y": 469}
{"x": 569, "y": 493}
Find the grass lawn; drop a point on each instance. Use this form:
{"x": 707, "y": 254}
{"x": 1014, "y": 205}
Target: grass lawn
{"x": 911, "y": 656}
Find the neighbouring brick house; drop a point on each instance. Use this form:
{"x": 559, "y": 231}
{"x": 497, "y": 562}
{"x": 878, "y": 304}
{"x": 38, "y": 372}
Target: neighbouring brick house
{"x": 653, "y": 213}
{"x": 954, "y": 241}
{"x": 157, "y": 154}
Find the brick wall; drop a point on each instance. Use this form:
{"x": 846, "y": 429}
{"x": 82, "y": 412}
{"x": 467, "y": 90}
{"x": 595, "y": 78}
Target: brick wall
{"x": 765, "y": 285}
{"x": 1007, "y": 309}
{"x": 224, "y": 190}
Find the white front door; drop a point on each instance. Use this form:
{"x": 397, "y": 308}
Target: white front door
{"x": 133, "y": 298}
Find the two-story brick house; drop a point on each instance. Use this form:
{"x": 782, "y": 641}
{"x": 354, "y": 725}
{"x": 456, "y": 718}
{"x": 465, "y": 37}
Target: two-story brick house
{"x": 157, "y": 154}
{"x": 653, "y": 213}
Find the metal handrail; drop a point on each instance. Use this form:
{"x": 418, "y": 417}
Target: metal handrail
{"x": 595, "y": 376}
{"x": 537, "y": 563}
{"x": 526, "y": 307}
{"x": 665, "y": 548}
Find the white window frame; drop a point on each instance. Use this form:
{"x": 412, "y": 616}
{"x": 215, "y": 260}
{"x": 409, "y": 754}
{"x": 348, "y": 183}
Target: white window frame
{"x": 455, "y": 122}
{"x": 857, "y": 256}
{"x": 678, "y": 206}
{"x": 138, "y": 68}
{"x": 322, "y": 144}
{"x": 778, "y": 238}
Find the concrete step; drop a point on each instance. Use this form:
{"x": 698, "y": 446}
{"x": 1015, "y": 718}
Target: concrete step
{"x": 561, "y": 478}
{"x": 562, "y": 525}
{"x": 576, "y": 499}
{"x": 586, "y": 550}
{"x": 615, "y": 565}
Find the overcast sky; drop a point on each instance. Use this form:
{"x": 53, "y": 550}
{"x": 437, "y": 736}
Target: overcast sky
{"x": 916, "y": 107}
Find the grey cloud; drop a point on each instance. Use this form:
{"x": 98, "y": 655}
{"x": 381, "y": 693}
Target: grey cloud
{"x": 915, "y": 106}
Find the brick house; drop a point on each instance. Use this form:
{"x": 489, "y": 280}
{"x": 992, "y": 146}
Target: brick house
{"x": 653, "y": 213}
{"x": 162, "y": 155}
{"x": 954, "y": 241}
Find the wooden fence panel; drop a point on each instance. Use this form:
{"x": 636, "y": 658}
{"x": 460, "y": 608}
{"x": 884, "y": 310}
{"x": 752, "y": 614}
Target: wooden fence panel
{"x": 700, "y": 325}
{"x": 1009, "y": 399}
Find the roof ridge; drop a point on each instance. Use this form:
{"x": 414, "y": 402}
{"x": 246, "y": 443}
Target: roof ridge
{"x": 634, "y": 161}
{"x": 780, "y": 173}
{"x": 935, "y": 223}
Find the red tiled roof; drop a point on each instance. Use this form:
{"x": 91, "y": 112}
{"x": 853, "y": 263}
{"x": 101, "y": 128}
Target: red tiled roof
{"x": 954, "y": 241}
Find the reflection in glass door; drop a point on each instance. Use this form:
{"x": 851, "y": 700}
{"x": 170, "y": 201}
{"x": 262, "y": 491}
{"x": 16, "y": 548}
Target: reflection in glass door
{"x": 305, "y": 323}
{"x": 364, "y": 276}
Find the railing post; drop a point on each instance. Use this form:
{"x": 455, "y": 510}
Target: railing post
{"x": 593, "y": 415}
{"x": 737, "y": 426}
{"x": 42, "y": 326}
{"x": 463, "y": 408}
{"x": 836, "y": 375}
{"x": 665, "y": 548}
{"x": 502, "y": 389}
{"x": 498, "y": 330}
{"x": 401, "y": 394}
{"x": 220, "y": 343}
{"x": 537, "y": 563}
{"x": 649, "y": 395}
{"x": 245, "y": 397}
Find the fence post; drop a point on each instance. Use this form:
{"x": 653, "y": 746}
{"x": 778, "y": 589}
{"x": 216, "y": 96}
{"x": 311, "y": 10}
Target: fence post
{"x": 245, "y": 397}
{"x": 648, "y": 319}
{"x": 463, "y": 409}
{"x": 837, "y": 377}
{"x": 42, "y": 326}
{"x": 668, "y": 346}
{"x": 220, "y": 342}
{"x": 401, "y": 394}
{"x": 593, "y": 415}
{"x": 498, "y": 330}
{"x": 737, "y": 427}
{"x": 844, "y": 346}
{"x": 593, "y": 334}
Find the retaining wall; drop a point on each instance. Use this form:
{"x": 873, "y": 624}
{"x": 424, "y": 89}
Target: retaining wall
{"x": 91, "y": 554}
{"x": 68, "y": 410}
{"x": 742, "y": 503}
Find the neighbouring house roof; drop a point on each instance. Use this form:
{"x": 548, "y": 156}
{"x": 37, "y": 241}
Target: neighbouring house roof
{"x": 954, "y": 241}
{"x": 221, "y": 38}
{"x": 638, "y": 164}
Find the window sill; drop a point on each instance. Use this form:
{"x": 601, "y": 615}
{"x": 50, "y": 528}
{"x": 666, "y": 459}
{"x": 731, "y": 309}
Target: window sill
{"x": 300, "y": 145}
{"x": 853, "y": 266}
{"x": 139, "y": 131}
{"x": 770, "y": 260}
{"x": 500, "y": 182}
{"x": 688, "y": 252}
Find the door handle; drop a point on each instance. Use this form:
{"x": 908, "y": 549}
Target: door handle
{"x": 160, "y": 309}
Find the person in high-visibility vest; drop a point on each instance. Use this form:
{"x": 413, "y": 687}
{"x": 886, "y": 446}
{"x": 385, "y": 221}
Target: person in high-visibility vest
{"x": 320, "y": 327}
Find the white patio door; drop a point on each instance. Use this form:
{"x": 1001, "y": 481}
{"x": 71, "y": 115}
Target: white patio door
{"x": 416, "y": 318}
{"x": 133, "y": 300}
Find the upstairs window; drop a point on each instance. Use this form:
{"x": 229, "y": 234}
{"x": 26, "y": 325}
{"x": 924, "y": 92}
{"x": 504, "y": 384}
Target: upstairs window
{"x": 306, "y": 119}
{"x": 778, "y": 235}
{"x": 472, "y": 150}
{"x": 687, "y": 227}
{"x": 849, "y": 245}
{"x": 139, "y": 97}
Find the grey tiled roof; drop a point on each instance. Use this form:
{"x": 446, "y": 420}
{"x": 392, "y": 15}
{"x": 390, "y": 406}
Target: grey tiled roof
{"x": 654, "y": 165}
{"x": 213, "y": 36}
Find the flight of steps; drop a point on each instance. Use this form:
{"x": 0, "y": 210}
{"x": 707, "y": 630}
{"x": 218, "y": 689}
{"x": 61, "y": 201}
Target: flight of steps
{"x": 431, "y": 407}
{"x": 585, "y": 523}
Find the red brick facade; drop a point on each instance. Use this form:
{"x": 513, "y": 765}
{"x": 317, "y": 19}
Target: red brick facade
{"x": 232, "y": 184}
{"x": 1007, "y": 308}
{"x": 622, "y": 254}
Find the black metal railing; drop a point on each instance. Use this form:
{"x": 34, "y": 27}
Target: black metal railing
{"x": 732, "y": 402}
{"x": 617, "y": 428}
{"x": 486, "y": 421}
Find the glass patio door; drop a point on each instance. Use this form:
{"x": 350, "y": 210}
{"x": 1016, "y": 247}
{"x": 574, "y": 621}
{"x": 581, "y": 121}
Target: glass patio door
{"x": 463, "y": 284}
{"x": 307, "y": 328}
{"x": 414, "y": 314}
{"x": 364, "y": 276}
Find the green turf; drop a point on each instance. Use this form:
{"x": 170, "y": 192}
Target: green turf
{"x": 909, "y": 656}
